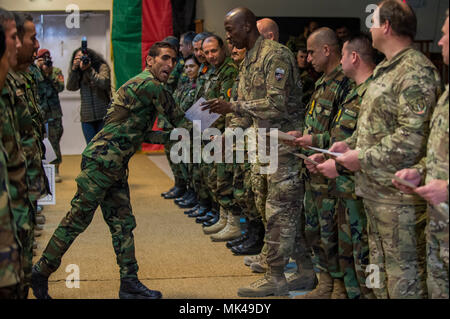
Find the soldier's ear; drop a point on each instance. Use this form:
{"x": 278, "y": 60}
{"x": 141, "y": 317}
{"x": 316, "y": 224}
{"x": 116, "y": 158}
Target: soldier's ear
{"x": 326, "y": 50}
{"x": 149, "y": 61}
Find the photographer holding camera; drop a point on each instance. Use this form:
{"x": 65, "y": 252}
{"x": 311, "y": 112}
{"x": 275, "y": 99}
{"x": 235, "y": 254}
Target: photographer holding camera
{"x": 90, "y": 74}
{"x": 51, "y": 84}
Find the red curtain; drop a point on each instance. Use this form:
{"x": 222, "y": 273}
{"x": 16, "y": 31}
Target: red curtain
{"x": 156, "y": 25}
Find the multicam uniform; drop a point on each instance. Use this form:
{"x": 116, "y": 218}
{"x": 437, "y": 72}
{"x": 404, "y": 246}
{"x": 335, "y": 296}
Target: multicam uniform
{"x": 269, "y": 92}
{"x": 321, "y": 220}
{"x": 396, "y": 111}
{"x": 104, "y": 174}
{"x": 435, "y": 166}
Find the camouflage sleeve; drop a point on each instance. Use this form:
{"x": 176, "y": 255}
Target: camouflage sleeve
{"x": 73, "y": 82}
{"x": 102, "y": 78}
{"x": 157, "y": 137}
{"x": 273, "y": 106}
{"x": 57, "y": 80}
{"x": 351, "y": 141}
{"x": 227, "y": 84}
{"x": 421, "y": 167}
{"x": 413, "y": 111}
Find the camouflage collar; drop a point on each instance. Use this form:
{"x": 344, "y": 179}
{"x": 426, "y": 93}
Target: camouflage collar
{"x": 385, "y": 64}
{"x": 14, "y": 76}
{"x": 226, "y": 63}
{"x": 327, "y": 78}
{"x": 253, "y": 53}
{"x": 359, "y": 90}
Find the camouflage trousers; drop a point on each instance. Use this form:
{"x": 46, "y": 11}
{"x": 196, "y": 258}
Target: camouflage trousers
{"x": 321, "y": 228}
{"x": 437, "y": 233}
{"x": 353, "y": 247}
{"x": 209, "y": 173}
{"x": 199, "y": 183}
{"x": 281, "y": 193}
{"x": 179, "y": 170}
{"x": 107, "y": 187}
{"x": 242, "y": 190}
{"x": 397, "y": 249}
{"x": 55, "y": 132}
{"x": 224, "y": 188}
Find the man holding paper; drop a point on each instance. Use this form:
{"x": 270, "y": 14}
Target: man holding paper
{"x": 321, "y": 220}
{"x": 395, "y": 115}
{"x": 270, "y": 92}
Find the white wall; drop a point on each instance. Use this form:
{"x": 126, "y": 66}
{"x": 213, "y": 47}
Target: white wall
{"x": 430, "y": 13}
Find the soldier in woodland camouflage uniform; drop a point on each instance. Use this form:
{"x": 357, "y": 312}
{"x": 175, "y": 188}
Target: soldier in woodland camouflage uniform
{"x": 435, "y": 170}
{"x": 11, "y": 273}
{"x": 396, "y": 111}
{"x": 51, "y": 84}
{"x": 269, "y": 91}
{"x": 220, "y": 175}
{"x": 358, "y": 62}
{"x": 103, "y": 178}
{"x": 321, "y": 219}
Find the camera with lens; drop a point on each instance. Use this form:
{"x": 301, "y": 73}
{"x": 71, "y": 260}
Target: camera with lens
{"x": 85, "y": 57}
{"x": 48, "y": 61}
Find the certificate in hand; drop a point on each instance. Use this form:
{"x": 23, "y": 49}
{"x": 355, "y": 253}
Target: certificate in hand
{"x": 195, "y": 113}
{"x": 325, "y": 151}
{"x": 284, "y": 136}
{"x": 404, "y": 182}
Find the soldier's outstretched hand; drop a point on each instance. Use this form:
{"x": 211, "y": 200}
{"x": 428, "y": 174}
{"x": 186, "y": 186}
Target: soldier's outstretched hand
{"x": 217, "y": 106}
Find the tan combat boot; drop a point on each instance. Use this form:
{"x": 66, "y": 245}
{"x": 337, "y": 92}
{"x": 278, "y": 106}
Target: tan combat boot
{"x": 272, "y": 284}
{"x": 339, "y": 291}
{"x": 323, "y": 289}
{"x": 58, "y": 178}
{"x": 231, "y": 231}
{"x": 248, "y": 260}
{"x": 219, "y": 225}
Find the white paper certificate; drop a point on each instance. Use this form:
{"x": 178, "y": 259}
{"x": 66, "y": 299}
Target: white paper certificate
{"x": 325, "y": 151}
{"x": 195, "y": 113}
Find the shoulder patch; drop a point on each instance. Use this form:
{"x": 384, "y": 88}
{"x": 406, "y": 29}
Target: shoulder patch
{"x": 279, "y": 74}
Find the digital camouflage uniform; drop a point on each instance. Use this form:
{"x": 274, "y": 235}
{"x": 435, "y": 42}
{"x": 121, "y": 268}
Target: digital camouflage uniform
{"x": 10, "y": 265}
{"x": 21, "y": 206}
{"x": 220, "y": 175}
{"x": 435, "y": 166}
{"x": 199, "y": 180}
{"x": 321, "y": 219}
{"x": 270, "y": 92}
{"x": 352, "y": 222}
{"x": 48, "y": 88}
{"x": 396, "y": 111}
{"x": 104, "y": 173}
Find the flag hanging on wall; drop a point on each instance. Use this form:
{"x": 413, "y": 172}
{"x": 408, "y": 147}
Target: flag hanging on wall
{"x": 137, "y": 24}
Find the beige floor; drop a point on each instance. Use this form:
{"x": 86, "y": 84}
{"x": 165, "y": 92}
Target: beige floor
{"x": 174, "y": 255}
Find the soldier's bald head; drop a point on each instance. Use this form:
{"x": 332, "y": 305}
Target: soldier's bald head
{"x": 325, "y": 36}
{"x": 242, "y": 15}
{"x": 268, "y": 29}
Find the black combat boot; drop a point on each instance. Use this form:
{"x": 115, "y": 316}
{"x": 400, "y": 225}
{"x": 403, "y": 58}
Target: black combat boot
{"x": 166, "y": 193}
{"x": 190, "y": 201}
{"x": 191, "y": 210}
{"x": 132, "y": 288}
{"x": 237, "y": 241}
{"x": 202, "y": 211}
{"x": 209, "y": 215}
{"x": 39, "y": 284}
{"x": 255, "y": 241}
{"x": 177, "y": 192}
{"x": 187, "y": 194}
{"x": 212, "y": 221}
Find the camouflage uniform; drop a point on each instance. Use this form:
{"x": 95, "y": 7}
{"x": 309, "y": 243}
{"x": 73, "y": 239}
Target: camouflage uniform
{"x": 177, "y": 77}
{"x": 321, "y": 220}
{"x": 435, "y": 165}
{"x": 220, "y": 176}
{"x": 308, "y": 84}
{"x": 270, "y": 92}
{"x": 351, "y": 217}
{"x": 103, "y": 178}
{"x": 21, "y": 206}
{"x": 198, "y": 177}
{"x": 396, "y": 111}
{"x": 49, "y": 87}
{"x": 10, "y": 265}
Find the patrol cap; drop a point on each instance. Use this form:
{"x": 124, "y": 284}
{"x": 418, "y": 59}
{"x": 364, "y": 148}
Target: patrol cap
{"x": 42, "y": 52}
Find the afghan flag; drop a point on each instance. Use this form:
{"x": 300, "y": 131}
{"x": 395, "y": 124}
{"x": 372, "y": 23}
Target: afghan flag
{"x": 137, "y": 25}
